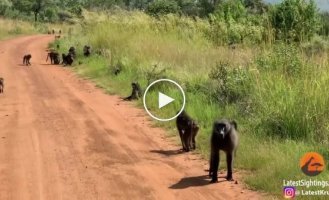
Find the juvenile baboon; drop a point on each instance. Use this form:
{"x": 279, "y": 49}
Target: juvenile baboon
{"x": 224, "y": 137}
{"x": 188, "y": 129}
{"x": 116, "y": 71}
{"x": 54, "y": 57}
{"x": 67, "y": 59}
{"x": 136, "y": 92}
{"x": 72, "y": 52}
{"x": 26, "y": 59}
{"x": 2, "y": 84}
{"x": 86, "y": 50}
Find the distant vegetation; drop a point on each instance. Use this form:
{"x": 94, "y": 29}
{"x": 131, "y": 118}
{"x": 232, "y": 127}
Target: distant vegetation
{"x": 267, "y": 66}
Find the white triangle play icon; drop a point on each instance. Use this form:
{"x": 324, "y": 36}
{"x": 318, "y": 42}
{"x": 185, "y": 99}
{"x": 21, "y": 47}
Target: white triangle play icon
{"x": 164, "y": 100}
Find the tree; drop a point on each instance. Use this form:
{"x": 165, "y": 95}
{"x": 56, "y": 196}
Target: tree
{"x": 4, "y": 5}
{"x": 295, "y": 20}
{"x": 160, "y": 7}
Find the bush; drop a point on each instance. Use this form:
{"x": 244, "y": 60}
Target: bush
{"x": 295, "y": 20}
{"x": 161, "y": 7}
{"x": 231, "y": 85}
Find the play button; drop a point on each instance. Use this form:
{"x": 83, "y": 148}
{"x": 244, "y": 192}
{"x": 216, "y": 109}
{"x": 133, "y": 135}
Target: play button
{"x": 164, "y": 99}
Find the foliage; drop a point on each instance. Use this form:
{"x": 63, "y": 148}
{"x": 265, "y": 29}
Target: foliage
{"x": 161, "y": 7}
{"x": 295, "y": 20}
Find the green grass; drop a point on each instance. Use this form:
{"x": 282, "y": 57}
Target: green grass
{"x": 277, "y": 93}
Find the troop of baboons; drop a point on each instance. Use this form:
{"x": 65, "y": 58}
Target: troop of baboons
{"x": 224, "y": 133}
{"x": 26, "y": 59}
{"x": 224, "y": 137}
{"x": 2, "y": 84}
{"x": 67, "y": 59}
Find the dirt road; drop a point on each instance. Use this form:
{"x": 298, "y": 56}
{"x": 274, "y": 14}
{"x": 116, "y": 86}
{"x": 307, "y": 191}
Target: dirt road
{"x": 61, "y": 138}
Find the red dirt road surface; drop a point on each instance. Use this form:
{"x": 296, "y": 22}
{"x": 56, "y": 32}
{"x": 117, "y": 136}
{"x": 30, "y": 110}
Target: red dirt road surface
{"x": 62, "y": 138}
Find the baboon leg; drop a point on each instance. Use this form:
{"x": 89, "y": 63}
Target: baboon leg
{"x": 229, "y": 163}
{"x": 193, "y": 140}
{"x": 214, "y": 164}
{"x": 190, "y": 138}
{"x": 181, "y": 135}
{"x": 186, "y": 137}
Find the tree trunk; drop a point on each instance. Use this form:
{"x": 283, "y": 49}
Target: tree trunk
{"x": 35, "y": 16}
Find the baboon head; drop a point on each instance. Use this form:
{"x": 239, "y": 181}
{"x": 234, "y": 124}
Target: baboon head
{"x": 224, "y": 127}
{"x": 134, "y": 85}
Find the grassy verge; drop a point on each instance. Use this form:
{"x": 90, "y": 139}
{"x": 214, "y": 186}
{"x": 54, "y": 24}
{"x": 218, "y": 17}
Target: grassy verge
{"x": 12, "y": 28}
{"x": 278, "y": 93}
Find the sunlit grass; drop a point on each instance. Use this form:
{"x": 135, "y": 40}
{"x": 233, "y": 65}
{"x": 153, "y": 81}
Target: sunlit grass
{"x": 283, "y": 114}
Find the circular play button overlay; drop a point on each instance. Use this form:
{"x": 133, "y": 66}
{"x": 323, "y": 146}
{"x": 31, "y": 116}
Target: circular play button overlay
{"x": 164, "y": 99}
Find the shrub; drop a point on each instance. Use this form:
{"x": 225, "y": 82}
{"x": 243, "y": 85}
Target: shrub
{"x": 161, "y": 7}
{"x": 295, "y": 20}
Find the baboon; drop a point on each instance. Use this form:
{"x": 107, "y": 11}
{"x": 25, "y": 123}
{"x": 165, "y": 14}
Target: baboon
{"x": 2, "y": 84}
{"x": 188, "y": 129}
{"x": 72, "y": 52}
{"x": 224, "y": 137}
{"x": 54, "y": 58}
{"x": 49, "y": 32}
{"x": 26, "y": 59}
{"x": 60, "y": 32}
{"x": 136, "y": 92}
{"x": 53, "y": 31}
{"x": 67, "y": 59}
{"x": 57, "y": 37}
{"x": 57, "y": 46}
{"x": 86, "y": 50}
{"x": 117, "y": 71}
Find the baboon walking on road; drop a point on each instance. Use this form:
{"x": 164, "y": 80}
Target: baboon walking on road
{"x": 224, "y": 137}
{"x": 2, "y": 84}
{"x": 188, "y": 129}
{"x": 26, "y": 59}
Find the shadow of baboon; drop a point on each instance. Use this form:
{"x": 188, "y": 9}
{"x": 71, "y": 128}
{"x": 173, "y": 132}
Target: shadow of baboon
{"x": 194, "y": 181}
{"x": 168, "y": 152}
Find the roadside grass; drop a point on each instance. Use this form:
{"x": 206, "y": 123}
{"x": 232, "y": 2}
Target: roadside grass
{"x": 277, "y": 93}
{"x": 12, "y": 28}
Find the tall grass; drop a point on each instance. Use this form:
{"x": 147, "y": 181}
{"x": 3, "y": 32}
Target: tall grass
{"x": 277, "y": 93}
{"x": 11, "y": 28}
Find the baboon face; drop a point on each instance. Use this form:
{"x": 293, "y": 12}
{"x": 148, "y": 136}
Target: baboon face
{"x": 222, "y": 128}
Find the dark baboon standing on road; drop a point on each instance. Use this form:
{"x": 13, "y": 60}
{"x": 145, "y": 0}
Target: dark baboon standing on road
{"x": 136, "y": 92}
{"x": 224, "y": 137}
{"x": 54, "y": 58}
{"x": 2, "y": 85}
{"x": 26, "y": 59}
{"x": 188, "y": 129}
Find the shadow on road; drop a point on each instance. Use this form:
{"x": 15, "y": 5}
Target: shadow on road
{"x": 167, "y": 152}
{"x": 194, "y": 181}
